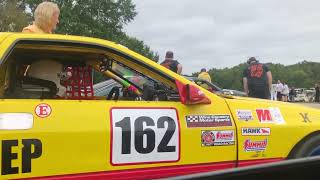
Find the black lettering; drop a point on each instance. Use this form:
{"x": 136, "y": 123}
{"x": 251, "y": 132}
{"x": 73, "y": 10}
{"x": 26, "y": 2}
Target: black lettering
{"x": 126, "y": 135}
{"x": 305, "y": 117}
{"x": 8, "y": 156}
{"x": 163, "y": 146}
{"x": 140, "y": 132}
{"x": 28, "y": 155}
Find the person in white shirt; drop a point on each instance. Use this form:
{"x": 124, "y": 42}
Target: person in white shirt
{"x": 285, "y": 92}
{"x": 273, "y": 92}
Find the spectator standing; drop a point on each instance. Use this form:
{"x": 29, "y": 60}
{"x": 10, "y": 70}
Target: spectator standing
{"x": 172, "y": 64}
{"x": 292, "y": 94}
{"x": 46, "y": 18}
{"x": 257, "y": 79}
{"x": 273, "y": 92}
{"x": 317, "y": 88}
{"x": 204, "y": 75}
{"x": 285, "y": 92}
{"x": 279, "y": 89}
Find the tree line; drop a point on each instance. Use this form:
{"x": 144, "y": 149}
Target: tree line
{"x": 301, "y": 75}
{"x": 103, "y": 19}
{"x": 106, "y": 19}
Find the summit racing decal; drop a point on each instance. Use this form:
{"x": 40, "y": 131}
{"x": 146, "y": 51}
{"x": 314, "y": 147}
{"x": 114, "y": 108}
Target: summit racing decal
{"x": 255, "y": 131}
{"x": 217, "y": 138}
{"x": 270, "y": 115}
{"x": 208, "y": 120}
{"x": 250, "y": 145}
{"x": 244, "y": 115}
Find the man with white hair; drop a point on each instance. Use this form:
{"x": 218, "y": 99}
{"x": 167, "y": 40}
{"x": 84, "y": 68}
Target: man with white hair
{"x": 46, "y": 18}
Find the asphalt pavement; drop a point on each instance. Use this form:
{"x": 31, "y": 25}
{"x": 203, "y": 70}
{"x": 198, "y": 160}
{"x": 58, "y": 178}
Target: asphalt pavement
{"x": 315, "y": 105}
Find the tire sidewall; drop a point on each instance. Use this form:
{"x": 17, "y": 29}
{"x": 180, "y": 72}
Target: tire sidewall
{"x": 307, "y": 147}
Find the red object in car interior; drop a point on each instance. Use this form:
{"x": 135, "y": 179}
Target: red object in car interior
{"x": 79, "y": 83}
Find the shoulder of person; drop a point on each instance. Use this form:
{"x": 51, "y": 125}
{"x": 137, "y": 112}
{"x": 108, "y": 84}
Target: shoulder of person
{"x": 163, "y": 61}
{"x": 265, "y": 65}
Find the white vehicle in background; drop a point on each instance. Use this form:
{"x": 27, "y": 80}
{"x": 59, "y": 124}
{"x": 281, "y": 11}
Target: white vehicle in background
{"x": 304, "y": 95}
{"x": 301, "y": 97}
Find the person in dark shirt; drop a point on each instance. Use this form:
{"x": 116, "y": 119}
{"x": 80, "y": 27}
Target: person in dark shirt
{"x": 172, "y": 64}
{"x": 257, "y": 79}
{"x": 292, "y": 94}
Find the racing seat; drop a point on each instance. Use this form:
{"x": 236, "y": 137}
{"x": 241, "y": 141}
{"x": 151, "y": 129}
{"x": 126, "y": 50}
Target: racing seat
{"x": 23, "y": 87}
{"x": 32, "y": 88}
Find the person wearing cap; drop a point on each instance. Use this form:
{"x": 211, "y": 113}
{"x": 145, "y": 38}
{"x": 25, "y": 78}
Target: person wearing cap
{"x": 46, "y": 18}
{"x": 257, "y": 79}
{"x": 204, "y": 75}
{"x": 171, "y": 64}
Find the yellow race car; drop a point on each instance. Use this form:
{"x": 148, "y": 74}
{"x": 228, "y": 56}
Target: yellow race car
{"x": 155, "y": 125}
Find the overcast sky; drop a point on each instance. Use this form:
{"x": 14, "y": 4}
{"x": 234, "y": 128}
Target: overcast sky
{"x": 224, "y": 33}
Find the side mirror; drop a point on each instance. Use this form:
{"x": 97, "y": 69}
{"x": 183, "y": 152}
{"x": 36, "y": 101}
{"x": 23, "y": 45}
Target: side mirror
{"x": 190, "y": 94}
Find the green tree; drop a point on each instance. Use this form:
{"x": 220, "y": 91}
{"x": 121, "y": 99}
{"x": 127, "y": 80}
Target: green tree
{"x": 304, "y": 74}
{"x": 139, "y": 47}
{"x": 94, "y": 18}
{"x": 99, "y": 18}
{"x": 13, "y": 16}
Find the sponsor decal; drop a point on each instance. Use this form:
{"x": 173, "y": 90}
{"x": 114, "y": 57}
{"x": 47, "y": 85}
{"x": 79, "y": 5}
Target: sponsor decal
{"x": 217, "y": 138}
{"x": 305, "y": 117}
{"x": 255, "y": 131}
{"x": 208, "y": 120}
{"x": 24, "y": 151}
{"x": 244, "y": 115}
{"x": 259, "y": 154}
{"x": 43, "y": 110}
{"x": 250, "y": 145}
{"x": 264, "y": 115}
{"x": 270, "y": 115}
{"x": 276, "y": 115}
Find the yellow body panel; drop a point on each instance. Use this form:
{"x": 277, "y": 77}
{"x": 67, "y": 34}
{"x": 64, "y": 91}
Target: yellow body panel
{"x": 76, "y": 136}
{"x": 283, "y": 137}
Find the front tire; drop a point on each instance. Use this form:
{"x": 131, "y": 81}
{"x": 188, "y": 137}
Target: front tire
{"x": 311, "y": 147}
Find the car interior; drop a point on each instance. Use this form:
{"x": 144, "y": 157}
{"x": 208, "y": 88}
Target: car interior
{"x": 51, "y": 70}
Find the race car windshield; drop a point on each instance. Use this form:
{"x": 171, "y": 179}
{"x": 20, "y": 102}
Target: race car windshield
{"x": 133, "y": 76}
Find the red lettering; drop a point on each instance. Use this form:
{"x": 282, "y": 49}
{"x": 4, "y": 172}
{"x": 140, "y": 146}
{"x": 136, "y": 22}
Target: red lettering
{"x": 256, "y": 71}
{"x": 264, "y": 115}
{"x": 43, "y": 110}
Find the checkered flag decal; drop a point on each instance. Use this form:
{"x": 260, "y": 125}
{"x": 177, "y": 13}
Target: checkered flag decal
{"x": 192, "y": 118}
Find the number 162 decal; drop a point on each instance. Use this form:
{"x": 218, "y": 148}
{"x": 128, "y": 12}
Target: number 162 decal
{"x": 144, "y": 136}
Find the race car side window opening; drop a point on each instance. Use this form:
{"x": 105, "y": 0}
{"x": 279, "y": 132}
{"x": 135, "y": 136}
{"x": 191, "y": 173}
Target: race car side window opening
{"x": 140, "y": 86}
{"x": 62, "y": 56}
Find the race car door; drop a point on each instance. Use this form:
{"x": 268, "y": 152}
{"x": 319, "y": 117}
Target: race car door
{"x": 165, "y": 136}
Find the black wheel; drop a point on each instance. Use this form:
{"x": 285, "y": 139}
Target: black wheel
{"x": 311, "y": 147}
